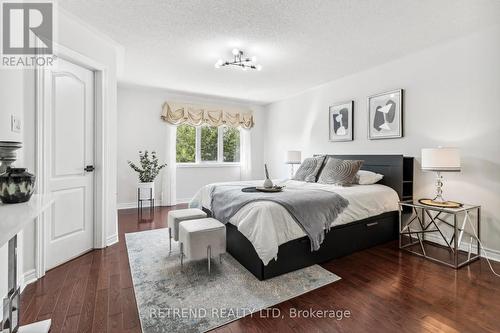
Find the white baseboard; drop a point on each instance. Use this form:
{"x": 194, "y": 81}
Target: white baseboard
{"x": 464, "y": 246}
{"x": 492, "y": 254}
{"x": 126, "y": 205}
{"x": 112, "y": 240}
{"x": 27, "y": 278}
{"x": 129, "y": 205}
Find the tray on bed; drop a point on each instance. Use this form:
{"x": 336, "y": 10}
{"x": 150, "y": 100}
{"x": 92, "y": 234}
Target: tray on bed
{"x": 254, "y": 189}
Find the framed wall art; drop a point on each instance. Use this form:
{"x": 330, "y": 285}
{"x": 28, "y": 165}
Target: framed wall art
{"x": 341, "y": 122}
{"x": 385, "y": 115}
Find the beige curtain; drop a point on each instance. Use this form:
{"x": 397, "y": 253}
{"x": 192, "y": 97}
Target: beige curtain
{"x": 196, "y": 115}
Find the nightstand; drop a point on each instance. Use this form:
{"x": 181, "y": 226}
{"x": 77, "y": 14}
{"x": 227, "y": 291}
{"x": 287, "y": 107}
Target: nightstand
{"x": 440, "y": 234}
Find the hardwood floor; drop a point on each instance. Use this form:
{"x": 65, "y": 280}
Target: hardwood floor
{"x": 384, "y": 290}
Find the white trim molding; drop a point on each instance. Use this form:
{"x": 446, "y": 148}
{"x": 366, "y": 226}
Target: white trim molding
{"x": 28, "y": 277}
{"x": 102, "y": 162}
{"x": 464, "y": 246}
{"x": 183, "y": 201}
{"x": 492, "y": 254}
{"x": 133, "y": 205}
{"x": 112, "y": 240}
{"x": 40, "y": 169}
{"x": 129, "y": 205}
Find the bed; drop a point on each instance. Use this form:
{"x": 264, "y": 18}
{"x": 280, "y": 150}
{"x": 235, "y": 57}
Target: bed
{"x": 264, "y": 238}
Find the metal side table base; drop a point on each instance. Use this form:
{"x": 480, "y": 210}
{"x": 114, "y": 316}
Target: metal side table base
{"x": 437, "y": 225}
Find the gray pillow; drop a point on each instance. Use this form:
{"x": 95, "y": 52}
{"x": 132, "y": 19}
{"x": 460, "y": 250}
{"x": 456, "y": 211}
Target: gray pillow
{"x": 308, "y": 170}
{"x": 339, "y": 172}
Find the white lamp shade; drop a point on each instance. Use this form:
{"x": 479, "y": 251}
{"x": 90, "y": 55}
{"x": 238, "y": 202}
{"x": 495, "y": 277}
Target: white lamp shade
{"x": 441, "y": 159}
{"x": 293, "y": 157}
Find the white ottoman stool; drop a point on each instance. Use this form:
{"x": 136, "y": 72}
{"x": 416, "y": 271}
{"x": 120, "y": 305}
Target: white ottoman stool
{"x": 202, "y": 238}
{"x": 176, "y": 216}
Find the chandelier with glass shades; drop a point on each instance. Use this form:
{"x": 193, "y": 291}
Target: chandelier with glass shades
{"x": 240, "y": 61}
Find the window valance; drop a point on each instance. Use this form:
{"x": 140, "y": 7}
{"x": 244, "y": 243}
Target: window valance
{"x": 196, "y": 115}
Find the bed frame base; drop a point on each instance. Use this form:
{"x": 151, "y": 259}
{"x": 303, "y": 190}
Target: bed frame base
{"x": 340, "y": 241}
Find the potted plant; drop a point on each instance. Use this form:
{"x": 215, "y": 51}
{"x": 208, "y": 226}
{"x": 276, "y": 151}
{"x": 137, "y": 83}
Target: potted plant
{"x": 148, "y": 170}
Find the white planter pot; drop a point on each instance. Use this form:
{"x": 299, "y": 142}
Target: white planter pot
{"x": 146, "y": 190}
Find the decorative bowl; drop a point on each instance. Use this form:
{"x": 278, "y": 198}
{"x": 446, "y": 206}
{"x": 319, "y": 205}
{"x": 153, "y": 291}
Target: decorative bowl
{"x": 16, "y": 185}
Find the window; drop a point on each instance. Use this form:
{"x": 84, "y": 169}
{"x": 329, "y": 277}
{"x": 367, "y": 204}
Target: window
{"x": 231, "y": 144}
{"x": 207, "y": 144}
{"x": 185, "y": 145}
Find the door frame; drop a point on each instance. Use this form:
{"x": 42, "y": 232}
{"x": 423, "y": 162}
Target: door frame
{"x": 101, "y": 161}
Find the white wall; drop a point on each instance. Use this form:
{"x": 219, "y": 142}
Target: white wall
{"x": 11, "y": 97}
{"x": 140, "y": 128}
{"x": 11, "y": 103}
{"x": 17, "y": 95}
{"x": 190, "y": 180}
{"x": 452, "y": 98}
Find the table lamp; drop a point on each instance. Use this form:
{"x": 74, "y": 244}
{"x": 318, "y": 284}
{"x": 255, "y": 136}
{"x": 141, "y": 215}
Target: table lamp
{"x": 293, "y": 157}
{"x": 439, "y": 160}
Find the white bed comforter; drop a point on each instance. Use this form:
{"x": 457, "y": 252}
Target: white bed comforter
{"x": 268, "y": 225}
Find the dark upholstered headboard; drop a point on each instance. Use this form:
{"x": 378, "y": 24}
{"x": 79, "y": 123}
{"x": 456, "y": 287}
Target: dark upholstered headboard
{"x": 395, "y": 168}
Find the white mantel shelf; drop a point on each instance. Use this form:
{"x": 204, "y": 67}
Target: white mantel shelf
{"x": 14, "y": 217}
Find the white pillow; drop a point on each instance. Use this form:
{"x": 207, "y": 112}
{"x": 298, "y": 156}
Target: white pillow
{"x": 364, "y": 177}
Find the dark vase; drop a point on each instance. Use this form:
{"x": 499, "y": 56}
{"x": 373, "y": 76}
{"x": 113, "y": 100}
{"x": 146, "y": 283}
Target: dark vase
{"x": 16, "y": 185}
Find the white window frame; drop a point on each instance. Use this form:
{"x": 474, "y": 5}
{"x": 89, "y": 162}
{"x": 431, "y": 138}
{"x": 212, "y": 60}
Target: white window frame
{"x": 220, "y": 151}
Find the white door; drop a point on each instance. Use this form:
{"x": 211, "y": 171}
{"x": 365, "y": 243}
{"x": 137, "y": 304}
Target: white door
{"x": 69, "y": 124}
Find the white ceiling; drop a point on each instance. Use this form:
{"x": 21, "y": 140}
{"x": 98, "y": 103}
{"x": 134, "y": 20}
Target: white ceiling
{"x": 301, "y": 44}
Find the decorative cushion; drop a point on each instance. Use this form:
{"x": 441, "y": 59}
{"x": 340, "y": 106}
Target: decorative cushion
{"x": 197, "y": 235}
{"x": 364, "y": 177}
{"x": 308, "y": 170}
{"x": 339, "y": 172}
{"x": 176, "y": 216}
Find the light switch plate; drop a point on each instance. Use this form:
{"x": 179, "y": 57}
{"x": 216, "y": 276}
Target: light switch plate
{"x": 15, "y": 124}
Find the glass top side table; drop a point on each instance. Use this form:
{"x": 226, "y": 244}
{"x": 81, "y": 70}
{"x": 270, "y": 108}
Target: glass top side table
{"x": 440, "y": 234}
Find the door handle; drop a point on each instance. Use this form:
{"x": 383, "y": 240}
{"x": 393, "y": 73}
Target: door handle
{"x": 89, "y": 168}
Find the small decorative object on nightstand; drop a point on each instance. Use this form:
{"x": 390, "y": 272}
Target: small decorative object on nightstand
{"x": 437, "y": 233}
{"x": 440, "y": 160}
{"x": 293, "y": 157}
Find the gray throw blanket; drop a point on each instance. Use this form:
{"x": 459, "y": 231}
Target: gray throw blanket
{"x": 313, "y": 210}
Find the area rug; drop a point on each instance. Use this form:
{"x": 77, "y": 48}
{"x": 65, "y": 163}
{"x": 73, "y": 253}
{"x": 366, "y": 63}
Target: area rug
{"x": 171, "y": 300}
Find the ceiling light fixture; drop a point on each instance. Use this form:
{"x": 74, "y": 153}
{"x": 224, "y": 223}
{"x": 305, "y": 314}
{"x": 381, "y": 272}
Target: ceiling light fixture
{"x": 240, "y": 61}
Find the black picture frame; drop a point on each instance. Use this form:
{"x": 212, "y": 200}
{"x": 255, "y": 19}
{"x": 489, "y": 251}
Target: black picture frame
{"x": 341, "y": 122}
